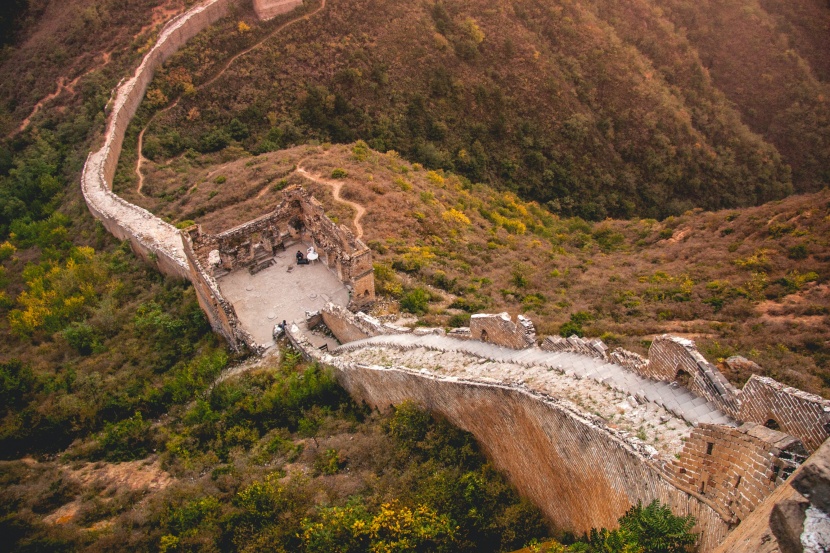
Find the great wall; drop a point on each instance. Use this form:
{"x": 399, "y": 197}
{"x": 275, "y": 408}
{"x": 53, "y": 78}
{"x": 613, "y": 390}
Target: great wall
{"x": 582, "y": 431}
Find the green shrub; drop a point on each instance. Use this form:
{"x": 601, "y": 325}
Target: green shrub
{"x": 570, "y": 328}
{"x": 82, "y": 337}
{"x": 416, "y": 301}
{"x": 329, "y": 462}
{"x": 126, "y": 440}
{"x": 797, "y": 252}
{"x": 459, "y": 320}
{"x": 339, "y": 174}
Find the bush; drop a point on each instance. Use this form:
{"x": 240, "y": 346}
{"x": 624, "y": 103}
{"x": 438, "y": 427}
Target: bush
{"x": 798, "y": 252}
{"x": 339, "y": 174}
{"x": 82, "y": 337}
{"x": 569, "y": 329}
{"x": 416, "y": 301}
{"x": 126, "y": 440}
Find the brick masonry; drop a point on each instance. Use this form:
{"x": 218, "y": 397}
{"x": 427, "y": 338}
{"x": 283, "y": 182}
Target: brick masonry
{"x": 677, "y": 359}
{"x": 500, "y": 330}
{"x": 805, "y": 416}
{"x": 735, "y": 469}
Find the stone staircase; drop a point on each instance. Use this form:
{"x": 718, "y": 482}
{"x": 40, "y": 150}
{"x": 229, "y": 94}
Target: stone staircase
{"x": 670, "y": 396}
{"x": 261, "y": 261}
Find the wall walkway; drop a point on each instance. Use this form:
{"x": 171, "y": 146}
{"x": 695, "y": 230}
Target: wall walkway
{"x": 674, "y": 399}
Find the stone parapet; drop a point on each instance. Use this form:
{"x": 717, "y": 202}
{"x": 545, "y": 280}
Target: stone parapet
{"x": 805, "y": 416}
{"x": 677, "y": 359}
{"x": 500, "y": 330}
{"x": 592, "y": 347}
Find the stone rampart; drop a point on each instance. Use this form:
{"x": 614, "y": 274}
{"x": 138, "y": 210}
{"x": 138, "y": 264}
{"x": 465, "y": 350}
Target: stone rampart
{"x": 151, "y": 238}
{"x": 581, "y": 473}
{"x": 500, "y": 330}
{"x": 349, "y": 327}
{"x": 805, "y": 416}
{"x": 219, "y": 311}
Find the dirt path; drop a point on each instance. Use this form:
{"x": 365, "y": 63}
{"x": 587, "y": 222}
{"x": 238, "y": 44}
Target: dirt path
{"x": 140, "y": 157}
{"x": 62, "y": 85}
{"x": 336, "y": 186}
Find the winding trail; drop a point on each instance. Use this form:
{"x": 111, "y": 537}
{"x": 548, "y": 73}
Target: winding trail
{"x": 219, "y": 73}
{"x": 336, "y": 186}
{"x": 63, "y": 84}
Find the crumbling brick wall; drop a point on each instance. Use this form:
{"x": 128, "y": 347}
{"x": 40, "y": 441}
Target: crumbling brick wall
{"x": 677, "y": 359}
{"x": 735, "y": 469}
{"x": 299, "y": 216}
{"x": 500, "y": 330}
{"x": 805, "y": 416}
{"x": 574, "y": 344}
{"x": 348, "y": 327}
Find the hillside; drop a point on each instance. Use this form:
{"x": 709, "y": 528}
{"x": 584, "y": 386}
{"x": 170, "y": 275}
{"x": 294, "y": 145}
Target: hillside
{"x": 494, "y": 134}
{"x": 751, "y": 282}
{"x": 593, "y": 109}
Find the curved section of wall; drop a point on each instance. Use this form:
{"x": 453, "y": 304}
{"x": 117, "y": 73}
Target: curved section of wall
{"x": 578, "y": 472}
{"x": 152, "y": 239}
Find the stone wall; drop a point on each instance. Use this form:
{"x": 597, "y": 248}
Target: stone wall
{"x": 152, "y": 239}
{"x": 580, "y": 473}
{"x": 268, "y": 9}
{"x": 349, "y": 327}
{"x": 343, "y": 324}
{"x": 735, "y": 469}
{"x": 805, "y": 416}
{"x": 219, "y": 311}
{"x": 634, "y": 362}
{"x": 794, "y": 518}
{"x": 500, "y": 330}
{"x": 674, "y": 359}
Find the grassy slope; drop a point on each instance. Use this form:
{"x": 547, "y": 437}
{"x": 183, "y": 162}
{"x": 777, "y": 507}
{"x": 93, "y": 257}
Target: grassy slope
{"x": 751, "y": 281}
{"x": 599, "y": 108}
